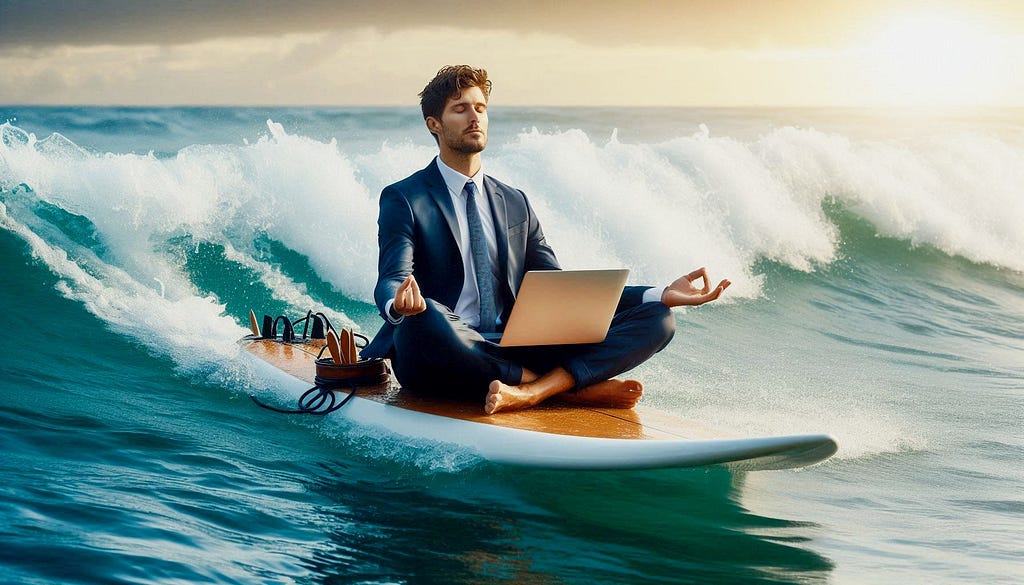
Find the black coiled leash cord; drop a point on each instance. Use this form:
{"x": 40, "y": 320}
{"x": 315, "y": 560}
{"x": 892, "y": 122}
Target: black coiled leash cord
{"x": 317, "y": 400}
{"x": 322, "y": 398}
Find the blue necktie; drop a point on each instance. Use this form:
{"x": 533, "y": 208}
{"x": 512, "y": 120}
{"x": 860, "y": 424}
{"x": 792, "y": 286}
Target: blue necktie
{"x": 481, "y": 260}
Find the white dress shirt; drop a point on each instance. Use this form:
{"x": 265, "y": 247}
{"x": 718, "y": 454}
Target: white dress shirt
{"x": 468, "y": 307}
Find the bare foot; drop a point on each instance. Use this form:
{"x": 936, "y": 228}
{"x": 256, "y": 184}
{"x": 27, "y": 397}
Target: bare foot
{"x": 530, "y": 391}
{"x": 504, "y": 397}
{"x": 612, "y": 393}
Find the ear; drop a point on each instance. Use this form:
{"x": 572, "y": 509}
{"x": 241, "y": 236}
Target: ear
{"x": 433, "y": 125}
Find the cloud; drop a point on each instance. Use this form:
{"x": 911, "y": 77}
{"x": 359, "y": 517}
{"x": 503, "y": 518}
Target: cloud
{"x": 368, "y": 67}
{"x": 689, "y": 53}
{"x": 705, "y": 23}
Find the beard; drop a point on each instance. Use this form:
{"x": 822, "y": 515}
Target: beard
{"x": 462, "y": 142}
{"x": 467, "y": 147}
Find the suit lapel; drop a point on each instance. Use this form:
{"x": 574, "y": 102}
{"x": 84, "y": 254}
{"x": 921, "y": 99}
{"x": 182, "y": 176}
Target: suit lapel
{"x": 439, "y": 191}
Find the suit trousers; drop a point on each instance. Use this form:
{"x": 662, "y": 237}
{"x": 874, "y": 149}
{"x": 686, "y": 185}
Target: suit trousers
{"x": 437, "y": 354}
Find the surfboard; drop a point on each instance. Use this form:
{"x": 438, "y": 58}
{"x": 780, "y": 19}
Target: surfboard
{"x": 552, "y": 435}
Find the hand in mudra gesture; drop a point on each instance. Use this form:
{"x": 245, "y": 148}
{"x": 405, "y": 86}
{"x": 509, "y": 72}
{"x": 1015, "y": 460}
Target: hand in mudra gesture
{"x": 408, "y": 298}
{"x": 684, "y": 292}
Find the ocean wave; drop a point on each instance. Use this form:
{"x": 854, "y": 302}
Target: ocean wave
{"x": 726, "y": 203}
{"x": 658, "y": 208}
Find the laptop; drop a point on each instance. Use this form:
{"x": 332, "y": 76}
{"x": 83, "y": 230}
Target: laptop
{"x": 556, "y": 307}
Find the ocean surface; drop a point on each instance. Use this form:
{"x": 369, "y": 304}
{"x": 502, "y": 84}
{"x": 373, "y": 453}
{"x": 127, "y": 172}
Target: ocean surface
{"x": 878, "y": 269}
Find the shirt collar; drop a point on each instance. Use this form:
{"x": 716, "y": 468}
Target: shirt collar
{"x": 456, "y": 181}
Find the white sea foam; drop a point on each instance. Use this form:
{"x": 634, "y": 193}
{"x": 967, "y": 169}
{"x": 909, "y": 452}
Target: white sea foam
{"x": 959, "y": 194}
{"x": 717, "y": 201}
{"x": 192, "y": 331}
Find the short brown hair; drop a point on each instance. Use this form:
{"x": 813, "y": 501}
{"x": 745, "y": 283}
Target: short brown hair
{"x": 449, "y": 82}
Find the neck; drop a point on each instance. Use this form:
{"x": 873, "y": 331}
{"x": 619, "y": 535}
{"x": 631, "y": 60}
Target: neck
{"x": 467, "y": 164}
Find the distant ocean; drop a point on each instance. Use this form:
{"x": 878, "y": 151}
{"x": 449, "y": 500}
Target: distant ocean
{"x": 878, "y": 269}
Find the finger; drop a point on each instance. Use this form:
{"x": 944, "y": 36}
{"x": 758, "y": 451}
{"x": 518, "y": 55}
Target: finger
{"x": 416, "y": 301}
{"x": 418, "y": 304}
{"x": 400, "y": 293}
{"x": 403, "y": 300}
{"x": 402, "y": 287}
{"x": 713, "y": 295}
{"x": 702, "y": 275}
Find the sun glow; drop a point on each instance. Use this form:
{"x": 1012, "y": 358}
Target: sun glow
{"x": 935, "y": 59}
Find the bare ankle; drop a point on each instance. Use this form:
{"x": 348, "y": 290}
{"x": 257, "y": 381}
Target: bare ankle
{"x": 527, "y": 377}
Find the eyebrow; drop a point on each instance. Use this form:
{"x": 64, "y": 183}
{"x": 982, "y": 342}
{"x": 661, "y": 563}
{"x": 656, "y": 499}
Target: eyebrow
{"x": 462, "y": 101}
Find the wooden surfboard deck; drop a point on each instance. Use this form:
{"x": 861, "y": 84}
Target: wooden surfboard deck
{"x": 551, "y": 435}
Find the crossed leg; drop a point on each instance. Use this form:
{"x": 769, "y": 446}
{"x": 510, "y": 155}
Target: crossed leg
{"x": 436, "y": 346}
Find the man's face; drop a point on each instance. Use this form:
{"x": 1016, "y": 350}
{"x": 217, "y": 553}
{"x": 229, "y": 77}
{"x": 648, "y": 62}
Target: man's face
{"x": 463, "y": 123}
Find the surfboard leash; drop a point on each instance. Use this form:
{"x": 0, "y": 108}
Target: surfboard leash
{"x": 319, "y": 400}
{"x": 330, "y": 377}
{"x": 322, "y": 398}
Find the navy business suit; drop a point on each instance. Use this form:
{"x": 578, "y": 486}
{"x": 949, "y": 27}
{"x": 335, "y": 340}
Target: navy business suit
{"x": 434, "y": 351}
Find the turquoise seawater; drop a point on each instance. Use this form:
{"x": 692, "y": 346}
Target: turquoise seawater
{"x": 878, "y": 269}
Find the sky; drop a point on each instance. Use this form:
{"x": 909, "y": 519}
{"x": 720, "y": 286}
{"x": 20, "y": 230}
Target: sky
{"x": 702, "y": 53}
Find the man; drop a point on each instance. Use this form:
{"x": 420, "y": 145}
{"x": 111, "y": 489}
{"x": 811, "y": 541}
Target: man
{"x": 454, "y": 247}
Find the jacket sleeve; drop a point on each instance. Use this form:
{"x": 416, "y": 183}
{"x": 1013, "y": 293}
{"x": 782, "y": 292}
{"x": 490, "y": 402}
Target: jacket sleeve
{"x": 395, "y": 240}
{"x": 631, "y": 297}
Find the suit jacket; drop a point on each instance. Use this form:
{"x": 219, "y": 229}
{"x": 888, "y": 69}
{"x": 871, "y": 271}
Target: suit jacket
{"x": 416, "y": 234}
